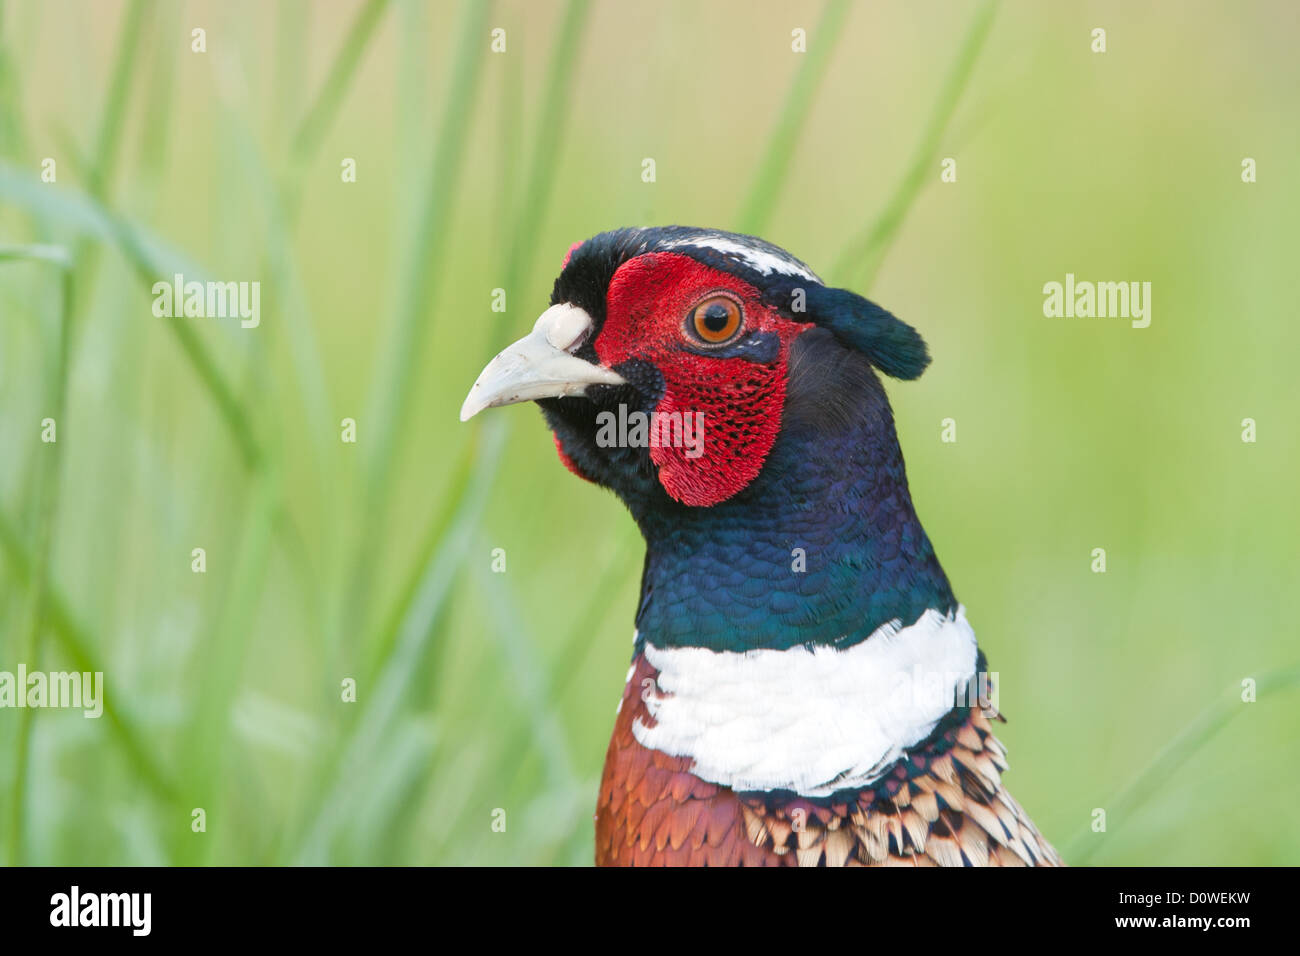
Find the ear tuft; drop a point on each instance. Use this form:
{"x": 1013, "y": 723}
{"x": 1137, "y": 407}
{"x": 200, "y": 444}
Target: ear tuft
{"x": 891, "y": 344}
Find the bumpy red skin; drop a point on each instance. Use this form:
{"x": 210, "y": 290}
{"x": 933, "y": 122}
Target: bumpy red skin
{"x": 647, "y": 305}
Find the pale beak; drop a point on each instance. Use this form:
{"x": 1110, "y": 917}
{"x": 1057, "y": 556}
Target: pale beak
{"x": 540, "y": 365}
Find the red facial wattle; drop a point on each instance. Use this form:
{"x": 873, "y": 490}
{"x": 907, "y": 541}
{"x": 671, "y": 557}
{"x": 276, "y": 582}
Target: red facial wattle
{"x": 740, "y": 400}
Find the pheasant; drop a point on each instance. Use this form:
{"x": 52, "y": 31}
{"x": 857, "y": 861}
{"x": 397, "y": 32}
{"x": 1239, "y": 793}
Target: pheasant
{"x": 804, "y": 687}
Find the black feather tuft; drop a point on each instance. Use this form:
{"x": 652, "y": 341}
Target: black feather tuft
{"x": 891, "y": 344}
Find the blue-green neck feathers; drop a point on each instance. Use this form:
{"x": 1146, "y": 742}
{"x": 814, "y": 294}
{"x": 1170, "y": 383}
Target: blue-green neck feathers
{"x": 823, "y": 547}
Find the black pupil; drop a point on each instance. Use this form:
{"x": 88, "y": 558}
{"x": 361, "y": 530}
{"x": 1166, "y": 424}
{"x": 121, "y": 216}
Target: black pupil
{"x": 716, "y": 317}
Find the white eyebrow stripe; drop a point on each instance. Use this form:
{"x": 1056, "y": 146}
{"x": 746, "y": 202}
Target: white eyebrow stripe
{"x": 761, "y": 260}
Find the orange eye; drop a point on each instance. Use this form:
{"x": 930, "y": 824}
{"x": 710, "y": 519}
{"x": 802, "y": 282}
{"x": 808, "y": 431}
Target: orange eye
{"x": 715, "y": 320}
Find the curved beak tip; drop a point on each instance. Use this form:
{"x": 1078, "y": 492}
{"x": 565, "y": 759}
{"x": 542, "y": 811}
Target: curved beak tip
{"x": 536, "y": 367}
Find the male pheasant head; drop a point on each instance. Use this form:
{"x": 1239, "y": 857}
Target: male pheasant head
{"x": 672, "y": 358}
{"x": 798, "y": 647}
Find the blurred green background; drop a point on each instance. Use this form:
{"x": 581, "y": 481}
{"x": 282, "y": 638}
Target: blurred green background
{"x": 475, "y": 171}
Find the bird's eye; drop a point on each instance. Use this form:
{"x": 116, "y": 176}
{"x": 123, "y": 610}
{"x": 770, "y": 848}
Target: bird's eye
{"x": 715, "y": 320}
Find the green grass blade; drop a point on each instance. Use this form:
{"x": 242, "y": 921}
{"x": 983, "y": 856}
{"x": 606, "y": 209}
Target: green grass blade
{"x": 12, "y": 135}
{"x": 54, "y": 255}
{"x": 444, "y": 514}
{"x": 312, "y": 129}
{"x": 156, "y": 135}
{"x": 1204, "y": 728}
{"x": 389, "y": 399}
{"x": 76, "y": 643}
{"x": 88, "y": 218}
{"x": 416, "y": 625}
{"x": 568, "y": 662}
{"x": 766, "y": 189}
{"x": 518, "y": 649}
{"x": 224, "y": 655}
{"x": 390, "y": 393}
{"x": 48, "y": 482}
{"x": 549, "y": 135}
{"x": 109, "y": 136}
{"x": 151, "y": 260}
{"x": 861, "y": 260}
